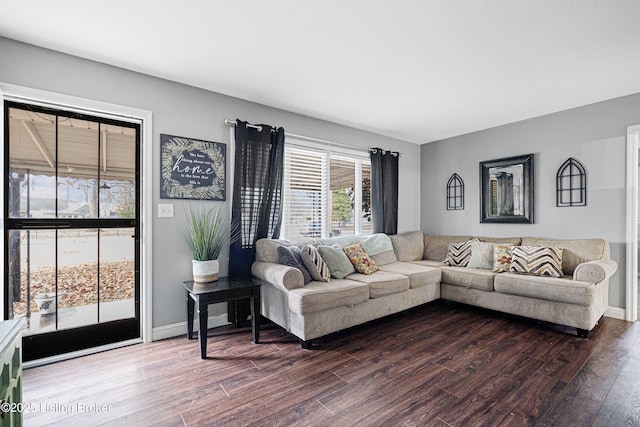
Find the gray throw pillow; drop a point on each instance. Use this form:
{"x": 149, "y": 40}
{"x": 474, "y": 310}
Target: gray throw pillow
{"x": 290, "y": 256}
{"x": 337, "y": 261}
{"x": 481, "y": 255}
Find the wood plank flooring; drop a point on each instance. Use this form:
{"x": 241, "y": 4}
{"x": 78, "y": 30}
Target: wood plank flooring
{"x": 442, "y": 364}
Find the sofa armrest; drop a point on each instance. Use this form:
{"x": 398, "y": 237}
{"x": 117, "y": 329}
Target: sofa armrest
{"x": 278, "y": 275}
{"x": 595, "y": 271}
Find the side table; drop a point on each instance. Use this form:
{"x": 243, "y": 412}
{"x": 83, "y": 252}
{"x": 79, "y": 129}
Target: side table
{"x": 222, "y": 290}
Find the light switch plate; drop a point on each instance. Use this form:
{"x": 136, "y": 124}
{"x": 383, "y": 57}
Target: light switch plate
{"x": 165, "y": 210}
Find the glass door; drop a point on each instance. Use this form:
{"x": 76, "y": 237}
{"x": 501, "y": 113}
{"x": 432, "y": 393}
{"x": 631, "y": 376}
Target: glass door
{"x": 71, "y": 212}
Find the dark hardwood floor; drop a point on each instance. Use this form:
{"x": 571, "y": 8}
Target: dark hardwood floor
{"x": 441, "y": 364}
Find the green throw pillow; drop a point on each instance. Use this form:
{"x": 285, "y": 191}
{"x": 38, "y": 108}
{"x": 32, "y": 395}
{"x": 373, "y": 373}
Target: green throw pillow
{"x": 337, "y": 261}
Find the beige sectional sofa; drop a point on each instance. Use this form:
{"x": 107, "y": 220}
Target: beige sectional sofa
{"x": 412, "y": 273}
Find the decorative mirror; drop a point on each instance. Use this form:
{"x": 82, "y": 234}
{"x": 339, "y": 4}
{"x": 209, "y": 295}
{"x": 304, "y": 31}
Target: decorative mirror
{"x": 506, "y": 190}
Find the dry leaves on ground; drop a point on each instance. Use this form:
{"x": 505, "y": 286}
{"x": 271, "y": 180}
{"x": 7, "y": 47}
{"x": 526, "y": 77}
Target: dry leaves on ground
{"x": 78, "y": 285}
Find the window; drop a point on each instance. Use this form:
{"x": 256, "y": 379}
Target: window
{"x": 326, "y": 194}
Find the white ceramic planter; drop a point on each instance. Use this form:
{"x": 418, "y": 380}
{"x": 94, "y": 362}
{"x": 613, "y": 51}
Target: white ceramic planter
{"x": 46, "y": 303}
{"x": 205, "y": 271}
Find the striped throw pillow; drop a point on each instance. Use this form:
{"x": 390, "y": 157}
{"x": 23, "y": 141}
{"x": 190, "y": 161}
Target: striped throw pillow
{"x": 459, "y": 254}
{"x": 315, "y": 264}
{"x": 537, "y": 260}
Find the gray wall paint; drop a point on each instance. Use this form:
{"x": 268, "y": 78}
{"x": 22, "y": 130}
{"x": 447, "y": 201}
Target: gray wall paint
{"x": 594, "y": 134}
{"x": 186, "y": 111}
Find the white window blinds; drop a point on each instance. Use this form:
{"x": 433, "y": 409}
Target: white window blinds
{"x": 325, "y": 195}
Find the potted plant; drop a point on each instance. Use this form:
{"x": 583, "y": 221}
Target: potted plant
{"x": 207, "y": 232}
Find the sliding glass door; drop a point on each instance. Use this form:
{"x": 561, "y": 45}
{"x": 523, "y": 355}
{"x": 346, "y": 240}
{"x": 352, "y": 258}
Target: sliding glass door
{"x": 71, "y": 210}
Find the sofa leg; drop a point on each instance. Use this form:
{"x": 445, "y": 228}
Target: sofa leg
{"x": 306, "y": 344}
{"x": 582, "y": 333}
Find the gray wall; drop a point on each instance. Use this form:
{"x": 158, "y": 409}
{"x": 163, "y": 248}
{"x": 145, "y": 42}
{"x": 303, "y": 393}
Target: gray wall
{"x": 594, "y": 134}
{"x": 186, "y": 111}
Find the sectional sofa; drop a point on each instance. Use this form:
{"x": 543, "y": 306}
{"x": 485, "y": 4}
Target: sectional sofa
{"x": 411, "y": 272}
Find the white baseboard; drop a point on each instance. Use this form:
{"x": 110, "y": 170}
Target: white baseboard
{"x": 616, "y": 313}
{"x": 176, "y": 329}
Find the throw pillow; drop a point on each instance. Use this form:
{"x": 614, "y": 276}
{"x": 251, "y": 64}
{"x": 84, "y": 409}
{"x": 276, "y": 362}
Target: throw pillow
{"x": 315, "y": 264}
{"x": 359, "y": 258}
{"x": 458, "y": 254}
{"x": 337, "y": 261}
{"x": 502, "y": 258}
{"x": 537, "y": 260}
{"x": 481, "y": 255}
{"x": 291, "y": 256}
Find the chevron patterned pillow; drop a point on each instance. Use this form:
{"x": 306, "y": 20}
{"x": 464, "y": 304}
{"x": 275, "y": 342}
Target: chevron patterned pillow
{"x": 458, "y": 254}
{"x": 311, "y": 259}
{"x": 537, "y": 260}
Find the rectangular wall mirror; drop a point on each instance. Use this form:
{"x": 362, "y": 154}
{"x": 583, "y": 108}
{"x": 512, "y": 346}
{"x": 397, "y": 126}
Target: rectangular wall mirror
{"x": 506, "y": 190}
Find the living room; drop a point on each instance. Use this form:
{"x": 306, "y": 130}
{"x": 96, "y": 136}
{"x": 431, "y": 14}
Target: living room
{"x": 591, "y": 126}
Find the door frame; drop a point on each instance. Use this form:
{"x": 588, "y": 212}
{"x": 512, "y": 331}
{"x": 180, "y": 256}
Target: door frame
{"x": 22, "y": 94}
{"x": 633, "y": 143}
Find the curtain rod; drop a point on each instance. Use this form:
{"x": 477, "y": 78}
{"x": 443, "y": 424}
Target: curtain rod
{"x": 312, "y": 139}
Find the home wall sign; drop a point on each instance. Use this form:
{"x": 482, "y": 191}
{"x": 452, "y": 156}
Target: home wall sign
{"x": 192, "y": 169}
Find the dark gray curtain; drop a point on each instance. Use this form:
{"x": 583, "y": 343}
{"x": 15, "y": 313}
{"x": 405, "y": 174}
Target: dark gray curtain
{"x": 384, "y": 191}
{"x": 257, "y": 192}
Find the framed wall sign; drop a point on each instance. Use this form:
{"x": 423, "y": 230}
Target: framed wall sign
{"x": 192, "y": 169}
{"x": 506, "y": 190}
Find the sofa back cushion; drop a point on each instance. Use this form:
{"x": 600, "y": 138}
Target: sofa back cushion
{"x": 435, "y": 247}
{"x": 575, "y": 251}
{"x": 408, "y": 246}
{"x": 267, "y": 249}
{"x": 513, "y": 241}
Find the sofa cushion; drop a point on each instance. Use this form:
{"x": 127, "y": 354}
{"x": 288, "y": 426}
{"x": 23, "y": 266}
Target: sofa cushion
{"x": 429, "y": 263}
{"x": 536, "y": 260}
{"x": 384, "y": 258}
{"x": 557, "y": 289}
{"x": 315, "y": 264}
{"x": 419, "y": 275}
{"x": 469, "y": 277}
{"x": 291, "y": 256}
{"x": 267, "y": 249}
{"x": 575, "y": 251}
{"x": 458, "y": 254}
{"x": 382, "y": 283}
{"x": 481, "y": 256}
{"x": 321, "y": 296}
{"x": 408, "y": 246}
{"x": 513, "y": 241}
{"x": 337, "y": 261}
{"x": 359, "y": 258}
{"x": 379, "y": 247}
{"x": 435, "y": 247}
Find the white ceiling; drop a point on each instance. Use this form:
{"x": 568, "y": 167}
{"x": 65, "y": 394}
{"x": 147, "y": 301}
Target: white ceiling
{"x": 417, "y": 70}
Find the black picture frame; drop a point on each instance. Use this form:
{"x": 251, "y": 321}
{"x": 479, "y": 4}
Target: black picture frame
{"x": 506, "y": 190}
{"x": 192, "y": 169}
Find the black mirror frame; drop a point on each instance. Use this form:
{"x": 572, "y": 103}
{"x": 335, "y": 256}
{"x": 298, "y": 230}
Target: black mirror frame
{"x": 527, "y": 178}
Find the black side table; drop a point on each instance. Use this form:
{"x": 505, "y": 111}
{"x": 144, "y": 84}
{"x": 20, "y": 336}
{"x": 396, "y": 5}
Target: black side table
{"x": 223, "y": 290}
